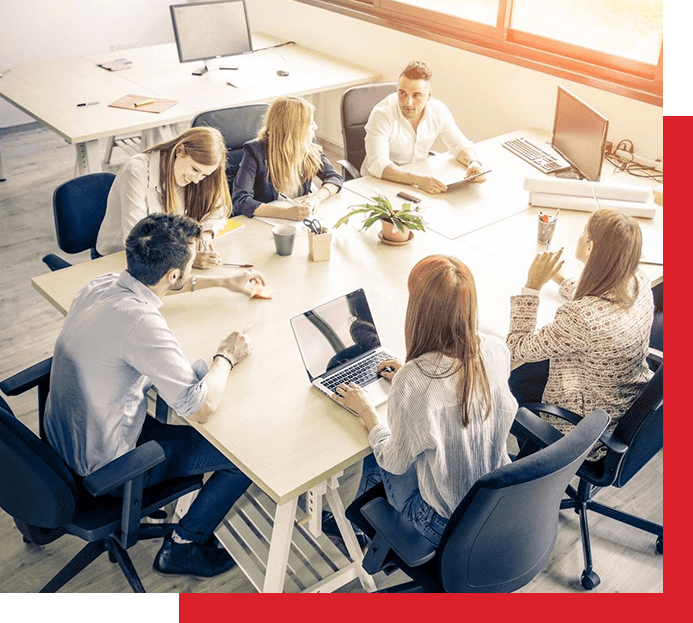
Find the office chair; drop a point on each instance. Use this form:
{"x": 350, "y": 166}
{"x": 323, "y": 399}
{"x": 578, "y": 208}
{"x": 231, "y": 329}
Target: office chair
{"x": 501, "y": 534}
{"x": 657, "y": 332}
{"x": 79, "y": 206}
{"x": 237, "y": 125}
{"x": 638, "y": 436}
{"x": 47, "y": 501}
{"x": 356, "y": 106}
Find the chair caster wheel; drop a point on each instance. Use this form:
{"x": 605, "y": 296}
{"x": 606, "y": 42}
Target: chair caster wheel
{"x": 659, "y": 546}
{"x": 590, "y": 580}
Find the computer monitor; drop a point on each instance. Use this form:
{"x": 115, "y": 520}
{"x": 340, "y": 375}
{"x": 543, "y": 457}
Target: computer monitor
{"x": 207, "y": 30}
{"x": 579, "y": 134}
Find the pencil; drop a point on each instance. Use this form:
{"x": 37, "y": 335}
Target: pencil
{"x": 143, "y": 103}
{"x": 238, "y": 265}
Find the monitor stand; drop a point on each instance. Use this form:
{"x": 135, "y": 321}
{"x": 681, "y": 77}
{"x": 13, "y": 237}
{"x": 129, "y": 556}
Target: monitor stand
{"x": 209, "y": 65}
{"x": 570, "y": 174}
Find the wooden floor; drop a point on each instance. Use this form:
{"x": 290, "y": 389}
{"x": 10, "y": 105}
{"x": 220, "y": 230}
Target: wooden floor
{"x": 36, "y": 161}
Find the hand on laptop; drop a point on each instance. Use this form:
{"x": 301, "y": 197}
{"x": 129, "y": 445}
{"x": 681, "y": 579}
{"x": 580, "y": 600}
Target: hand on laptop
{"x": 388, "y": 368}
{"x": 358, "y": 401}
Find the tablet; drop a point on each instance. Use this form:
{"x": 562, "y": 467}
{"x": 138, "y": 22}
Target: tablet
{"x": 466, "y": 179}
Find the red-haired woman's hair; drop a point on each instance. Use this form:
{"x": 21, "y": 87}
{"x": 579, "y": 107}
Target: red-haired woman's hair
{"x": 441, "y": 318}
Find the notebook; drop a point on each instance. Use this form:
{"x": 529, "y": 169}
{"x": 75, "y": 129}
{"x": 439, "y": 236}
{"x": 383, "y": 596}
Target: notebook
{"x": 339, "y": 343}
{"x": 466, "y": 179}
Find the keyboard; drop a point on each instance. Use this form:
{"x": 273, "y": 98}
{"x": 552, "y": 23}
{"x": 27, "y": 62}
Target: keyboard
{"x": 536, "y": 156}
{"x": 362, "y": 372}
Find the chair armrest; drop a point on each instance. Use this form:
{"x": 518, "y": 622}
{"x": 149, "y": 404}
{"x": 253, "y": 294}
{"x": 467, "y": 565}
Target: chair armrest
{"x": 613, "y": 444}
{"x": 396, "y": 533}
{"x": 54, "y": 262}
{"x": 528, "y": 425}
{"x": 560, "y": 412}
{"x": 657, "y": 356}
{"x": 345, "y": 164}
{"x": 27, "y": 379}
{"x": 124, "y": 468}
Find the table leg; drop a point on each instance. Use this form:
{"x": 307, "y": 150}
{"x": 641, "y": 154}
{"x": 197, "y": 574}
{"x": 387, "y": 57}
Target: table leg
{"x": 87, "y": 160}
{"x": 2, "y": 172}
{"x": 278, "y": 558}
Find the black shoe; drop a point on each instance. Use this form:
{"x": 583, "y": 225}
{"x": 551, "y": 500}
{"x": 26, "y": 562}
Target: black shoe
{"x": 192, "y": 559}
{"x": 331, "y": 530}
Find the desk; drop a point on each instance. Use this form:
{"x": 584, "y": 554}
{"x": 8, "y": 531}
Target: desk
{"x": 285, "y": 435}
{"x": 50, "y": 92}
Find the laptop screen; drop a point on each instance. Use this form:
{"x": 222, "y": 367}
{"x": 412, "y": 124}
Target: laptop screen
{"x": 335, "y": 333}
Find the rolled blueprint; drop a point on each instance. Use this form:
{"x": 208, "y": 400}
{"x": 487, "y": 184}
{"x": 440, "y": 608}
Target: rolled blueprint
{"x": 583, "y": 188}
{"x": 587, "y": 204}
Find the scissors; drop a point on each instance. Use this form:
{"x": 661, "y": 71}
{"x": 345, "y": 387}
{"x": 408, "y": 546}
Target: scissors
{"x": 313, "y": 224}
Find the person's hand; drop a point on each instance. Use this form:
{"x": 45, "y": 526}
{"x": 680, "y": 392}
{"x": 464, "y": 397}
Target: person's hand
{"x": 473, "y": 169}
{"x": 236, "y": 346}
{"x": 297, "y": 212}
{"x": 544, "y": 267}
{"x": 430, "y": 185}
{"x": 206, "y": 256}
{"x": 311, "y": 201}
{"x": 244, "y": 282}
{"x": 354, "y": 398}
{"x": 388, "y": 368}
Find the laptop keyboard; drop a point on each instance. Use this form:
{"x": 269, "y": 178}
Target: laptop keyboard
{"x": 536, "y": 156}
{"x": 361, "y": 373}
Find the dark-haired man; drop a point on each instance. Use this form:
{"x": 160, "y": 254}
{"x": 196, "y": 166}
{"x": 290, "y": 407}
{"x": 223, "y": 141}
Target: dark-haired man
{"x": 403, "y": 127}
{"x": 114, "y": 346}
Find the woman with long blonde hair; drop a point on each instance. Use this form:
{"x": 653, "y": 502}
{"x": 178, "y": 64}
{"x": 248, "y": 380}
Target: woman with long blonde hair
{"x": 281, "y": 164}
{"x": 186, "y": 176}
{"x": 592, "y": 356}
{"x": 450, "y": 409}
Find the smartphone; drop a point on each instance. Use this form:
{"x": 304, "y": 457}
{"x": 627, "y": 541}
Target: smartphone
{"x": 408, "y": 197}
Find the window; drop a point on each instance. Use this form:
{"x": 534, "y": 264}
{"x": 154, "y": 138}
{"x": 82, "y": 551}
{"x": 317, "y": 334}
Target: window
{"x": 614, "y": 45}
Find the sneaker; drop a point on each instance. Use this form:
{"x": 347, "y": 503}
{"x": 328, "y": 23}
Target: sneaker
{"x": 331, "y": 531}
{"x": 196, "y": 559}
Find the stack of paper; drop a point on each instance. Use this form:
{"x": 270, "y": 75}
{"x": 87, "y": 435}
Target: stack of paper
{"x": 589, "y": 196}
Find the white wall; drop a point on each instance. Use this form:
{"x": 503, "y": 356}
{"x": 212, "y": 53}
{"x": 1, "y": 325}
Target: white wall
{"x": 34, "y": 31}
{"x": 488, "y": 97}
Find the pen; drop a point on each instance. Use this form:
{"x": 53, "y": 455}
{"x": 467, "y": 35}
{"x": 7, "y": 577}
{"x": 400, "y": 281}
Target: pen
{"x": 289, "y": 199}
{"x": 143, "y": 103}
{"x": 87, "y": 104}
{"x": 238, "y": 265}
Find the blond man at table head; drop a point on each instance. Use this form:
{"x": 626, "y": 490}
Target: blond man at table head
{"x": 403, "y": 127}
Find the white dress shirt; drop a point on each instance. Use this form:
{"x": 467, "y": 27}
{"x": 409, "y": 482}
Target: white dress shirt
{"x": 114, "y": 345}
{"x": 424, "y": 427}
{"x": 390, "y": 137}
{"x": 136, "y": 193}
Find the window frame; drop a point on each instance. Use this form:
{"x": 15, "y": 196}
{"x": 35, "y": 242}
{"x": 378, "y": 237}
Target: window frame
{"x": 627, "y": 77}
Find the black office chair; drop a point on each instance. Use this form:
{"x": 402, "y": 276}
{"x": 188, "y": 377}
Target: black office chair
{"x": 47, "y": 501}
{"x": 237, "y": 125}
{"x": 638, "y": 436}
{"x": 657, "y": 332}
{"x": 79, "y": 206}
{"x": 356, "y": 106}
{"x": 498, "y": 538}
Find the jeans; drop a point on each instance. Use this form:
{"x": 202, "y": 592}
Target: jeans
{"x": 403, "y": 493}
{"x": 187, "y": 454}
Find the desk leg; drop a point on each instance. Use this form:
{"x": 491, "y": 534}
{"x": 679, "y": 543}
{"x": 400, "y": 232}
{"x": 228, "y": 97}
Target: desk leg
{"x": 88, "y": 160}
{"x": 347, "y": 532}
{"x": 278, "y": 558}
{"x": 2, "y": 172}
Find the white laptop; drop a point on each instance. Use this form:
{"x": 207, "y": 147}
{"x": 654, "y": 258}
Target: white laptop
{"x": 339, "y": 343}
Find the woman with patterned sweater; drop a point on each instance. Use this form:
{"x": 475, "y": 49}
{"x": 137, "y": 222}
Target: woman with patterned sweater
{"x": 597, "y": 344}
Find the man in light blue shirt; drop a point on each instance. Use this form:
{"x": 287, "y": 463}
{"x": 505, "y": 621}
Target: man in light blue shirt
{"x": 114, "y": 346}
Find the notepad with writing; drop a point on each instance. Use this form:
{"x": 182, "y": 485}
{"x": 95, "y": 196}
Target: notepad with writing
{"x": 145, "y": 103}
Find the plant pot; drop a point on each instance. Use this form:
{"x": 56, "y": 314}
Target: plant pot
{"x": 390, "y": 232}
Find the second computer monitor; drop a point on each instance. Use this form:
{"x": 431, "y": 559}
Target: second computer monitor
{"x": 579, "y": 134}
{"x": 208, "y": 30}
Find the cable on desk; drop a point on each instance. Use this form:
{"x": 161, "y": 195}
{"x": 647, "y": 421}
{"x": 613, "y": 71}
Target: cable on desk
{"x": 628, "y": 164}
{"x": 271, "y": 47}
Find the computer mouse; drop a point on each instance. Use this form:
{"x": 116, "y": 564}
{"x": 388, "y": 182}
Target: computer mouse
{"x": 282, "y": 72}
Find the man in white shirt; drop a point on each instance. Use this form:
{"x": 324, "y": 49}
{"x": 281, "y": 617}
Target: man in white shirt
{"x": 403, "y": 127}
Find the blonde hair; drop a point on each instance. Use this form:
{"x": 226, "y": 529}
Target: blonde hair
{"x": 292, "y": 158}
{"x": 441, "y": 317}
{"x": 205, "y": 146}
{"x": 610, "y": 268}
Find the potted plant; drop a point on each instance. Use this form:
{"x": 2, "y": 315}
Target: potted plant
{"x": 396, "y": 223}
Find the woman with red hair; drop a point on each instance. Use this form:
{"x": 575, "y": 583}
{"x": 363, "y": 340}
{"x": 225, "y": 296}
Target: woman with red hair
{"x": 450, "y": 408}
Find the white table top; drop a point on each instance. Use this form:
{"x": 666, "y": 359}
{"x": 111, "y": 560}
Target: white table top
{"x": 50, "y": 92}
{"x": 283, "y": 433}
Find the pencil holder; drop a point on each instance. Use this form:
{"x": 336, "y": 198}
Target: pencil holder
{"x": 319, "y": 245}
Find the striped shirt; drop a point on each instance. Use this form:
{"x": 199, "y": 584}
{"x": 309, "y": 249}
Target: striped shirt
{"x": 424, "y": 427}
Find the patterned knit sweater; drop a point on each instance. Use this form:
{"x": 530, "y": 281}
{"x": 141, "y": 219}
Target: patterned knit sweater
{"x": 596, "y": 351}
